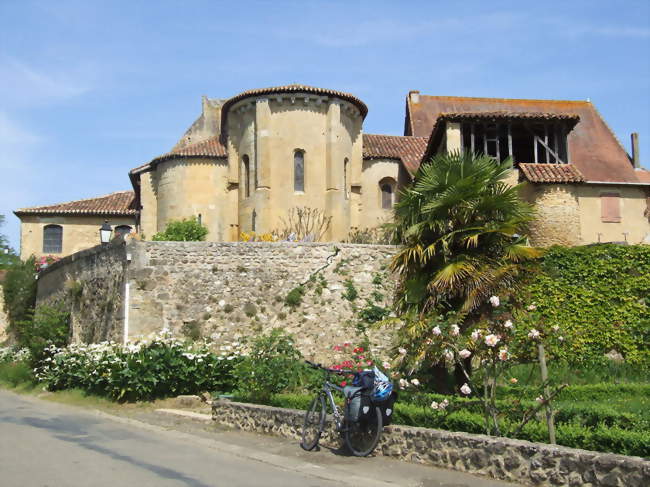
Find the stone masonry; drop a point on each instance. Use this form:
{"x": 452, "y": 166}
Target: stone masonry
{"x": 557, "y": 219}
{"x": 501, "y": 458}
{"x": 224, "y": 291}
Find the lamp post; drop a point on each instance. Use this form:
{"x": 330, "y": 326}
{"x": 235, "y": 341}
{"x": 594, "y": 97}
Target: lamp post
{"x": 105, "y": 233}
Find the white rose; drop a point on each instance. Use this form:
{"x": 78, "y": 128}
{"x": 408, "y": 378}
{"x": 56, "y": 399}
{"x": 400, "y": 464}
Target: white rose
{"x": 465, "y": 389}
{"x": 533, "y": 333}
{"x": 492, "y": 340}
{"x": 443, "y": 404}
{"x": 415, "y": 382}
{"x": 494, "y": 301}
{"x": 386, "y": 365}
{"x": 436, "y": 330}
{"x": 464, "y": 353}
{"x": 556, "y": 328}
{"x": 402, "y": 350}
{"x": 455, "y": 330}
{"x": 403, "y": 383}
{"x": 503, "y": 354}
{"x": 508, "y": 324}
{"x": 434, "y": 405}
{"x": 449, "y": 355}
{"x": 532, "y": 307}
{"x": 476, "y": 335}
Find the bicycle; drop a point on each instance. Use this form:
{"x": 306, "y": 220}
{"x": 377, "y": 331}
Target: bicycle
{"x": 361, "y": 436}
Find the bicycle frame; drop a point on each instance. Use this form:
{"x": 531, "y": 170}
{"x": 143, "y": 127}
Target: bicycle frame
{"x": 327, "y": 390}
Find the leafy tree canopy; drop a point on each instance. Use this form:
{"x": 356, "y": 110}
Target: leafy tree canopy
{"x": 7, "y": 254}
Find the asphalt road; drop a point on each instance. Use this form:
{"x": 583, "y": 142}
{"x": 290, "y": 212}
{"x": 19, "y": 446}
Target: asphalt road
{"x": 54, "y": 445}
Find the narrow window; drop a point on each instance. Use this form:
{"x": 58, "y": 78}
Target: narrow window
{"x": 122, "y": 231}
{"x": 52, "y": 239}
{"x": 387, "y": 189}
{"x": 245, "y": 176}
{"x": 346, "y": 169}
{"x": 299, "y": 171}
{"x": 610, "y": 207}
{"x": 254, "y": 220}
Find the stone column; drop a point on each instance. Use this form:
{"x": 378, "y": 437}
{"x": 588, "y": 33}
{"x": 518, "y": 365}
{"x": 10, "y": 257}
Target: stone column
{"x": 262, "y": 165}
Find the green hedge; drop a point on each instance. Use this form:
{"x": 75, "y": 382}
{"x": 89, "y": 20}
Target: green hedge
{"x": 586, "y": 392}
{"x": 598, "y": 428}
{"x": 599, "y": 295}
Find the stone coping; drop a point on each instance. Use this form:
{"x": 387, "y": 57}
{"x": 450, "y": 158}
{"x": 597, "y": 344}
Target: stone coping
{"x": 497, "y": 457}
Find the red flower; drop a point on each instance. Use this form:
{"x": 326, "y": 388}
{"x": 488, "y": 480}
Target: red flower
{"x": 343, "y": 384}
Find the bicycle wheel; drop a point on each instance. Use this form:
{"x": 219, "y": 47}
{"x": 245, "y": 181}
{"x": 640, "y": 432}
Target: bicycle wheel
{"x": 361, "y": 437}
{"x": 314, "y": 423}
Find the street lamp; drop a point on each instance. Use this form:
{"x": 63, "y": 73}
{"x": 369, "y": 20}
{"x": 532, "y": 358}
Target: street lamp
{"x": 105, "y": 233}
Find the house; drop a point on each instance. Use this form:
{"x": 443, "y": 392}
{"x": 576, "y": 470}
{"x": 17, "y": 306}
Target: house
{"x": 247, "y": 160}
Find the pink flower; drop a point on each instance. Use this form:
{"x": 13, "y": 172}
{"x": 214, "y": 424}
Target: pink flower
{"x": 402, "y": 350}
{"x": 386, "y": 365}
{"x": 533, "y": 333}
{"x": 455, "y": 330}
{"x": 449, "y": 355}
{"x": 476, "y": 334}
{"x": 436, "y": 330}
{"x": 465, "y": 389}
{"x": 464, "y": 353}
{"x": 492, "y": 340}
{"x": 508, "y": 324}
{"x": 503, "y": 354}
{"x": 513, "y": 380}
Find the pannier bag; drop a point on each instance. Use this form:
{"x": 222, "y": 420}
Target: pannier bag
{"x": 386, "y": 408}
{"x": 360, "y": 405}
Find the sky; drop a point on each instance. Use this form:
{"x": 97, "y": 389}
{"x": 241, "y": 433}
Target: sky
{"x": 91, "y": 89}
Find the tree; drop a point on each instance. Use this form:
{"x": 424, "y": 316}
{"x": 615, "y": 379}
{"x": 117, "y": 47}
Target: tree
{"x": 463, "y": 233}
{"x": 7, "y": 255}
{"x": 185, "y": 230}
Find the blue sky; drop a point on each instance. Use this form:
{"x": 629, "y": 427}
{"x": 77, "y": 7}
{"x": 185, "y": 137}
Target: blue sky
{"x": 89, "y": 89}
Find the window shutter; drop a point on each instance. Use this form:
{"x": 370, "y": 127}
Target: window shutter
{"x": 610, "y": 204}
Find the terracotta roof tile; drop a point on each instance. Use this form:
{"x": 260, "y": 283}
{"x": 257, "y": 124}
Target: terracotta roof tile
{"x": 551, "y": 173}
{"x": 594, "y": 148}
{"x": 408, "y": 149}
{"x": 296, "y": 88}
{"x": 119, "y": 203}
{"x": 643, "y": 175}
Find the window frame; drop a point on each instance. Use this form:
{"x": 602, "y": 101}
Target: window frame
{"x": 298, "y": 188}
{"x": 392, "y": 185}
{"x": 47, "y": 242}
{"x": 610, "y": 212}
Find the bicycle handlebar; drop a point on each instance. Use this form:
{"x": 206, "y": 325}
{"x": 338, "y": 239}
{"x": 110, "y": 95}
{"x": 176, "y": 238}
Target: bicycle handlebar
{"x": 331, "y": 371}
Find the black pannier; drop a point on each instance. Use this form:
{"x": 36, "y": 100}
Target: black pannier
{"x": 386, "y": 407}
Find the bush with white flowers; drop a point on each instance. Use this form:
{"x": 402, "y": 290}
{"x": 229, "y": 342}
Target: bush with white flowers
{"x": 156, "y": 367}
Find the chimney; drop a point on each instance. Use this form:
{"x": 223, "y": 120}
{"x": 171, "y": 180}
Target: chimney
{"x": 414, "y": 95}
{"x": 636, "y": 160}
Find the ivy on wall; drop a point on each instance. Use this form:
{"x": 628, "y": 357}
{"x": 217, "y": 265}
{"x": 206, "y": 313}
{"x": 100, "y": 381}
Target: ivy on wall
{"x": 600, "y": 297}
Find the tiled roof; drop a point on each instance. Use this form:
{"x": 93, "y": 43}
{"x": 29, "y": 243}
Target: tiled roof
{"x": 595, "y": 150}
{"x": 119, "y": 203}
{"x": 643, "y": 175}
{"x": 551, "y": 173}
{"x": 296, "y": 88}
{"x": 408, "y": 149}
{"x": 507, "y": 114}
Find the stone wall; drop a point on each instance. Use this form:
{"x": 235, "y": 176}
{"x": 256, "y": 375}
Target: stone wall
{"x": 91, "y": 285}
{"x": 557, "y": 219}
{"x": 501, "y": 458}
{"x": 225, "y": 291}
{"x": 228, "y": 291}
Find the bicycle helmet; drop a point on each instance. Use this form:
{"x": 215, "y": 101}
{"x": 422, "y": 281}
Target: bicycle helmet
{"x": 382, "y": 391}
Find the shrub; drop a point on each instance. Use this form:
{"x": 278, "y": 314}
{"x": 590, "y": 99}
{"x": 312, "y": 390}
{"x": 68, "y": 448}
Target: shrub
{"x": 250, "y": 310}
{"x": 351, "y": 292}
{"x": 272, "y": 366}
{"x": 146, "y": 370}
{"x": 20, "y": 293}
{"x": 294, "y": 298}
{"x": 185, "y": 230}
{"x": 373, "y": 313}
{"x": 14, "y": 374}
{"x": 47, "y": 325}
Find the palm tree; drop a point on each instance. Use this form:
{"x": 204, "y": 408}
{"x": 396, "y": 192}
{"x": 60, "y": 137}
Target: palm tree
{"x": 462, "y": 228}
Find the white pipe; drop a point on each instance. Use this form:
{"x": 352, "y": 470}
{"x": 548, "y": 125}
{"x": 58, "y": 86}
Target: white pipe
{"x": 126, "y": 313}
{"x": 615, "y": 184}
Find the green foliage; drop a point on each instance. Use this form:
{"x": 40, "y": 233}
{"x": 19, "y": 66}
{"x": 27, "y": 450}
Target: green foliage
{"x": 294, "y": 298}
{"x": 9, "y": 258}
{"x": 351, "y": 292}
{"x": 192, "y": 330}
{"x": 16, "y": 374}
{"x": 272, "y": 366}
{"x": 228, "y": 308}
{"x": 460, "y": 225}
{"x": 185, "y": 230}
{"x": 163, "y": 367}
{"x": 250, "y": 310}
{"x": 373, "y": 313}
{"x": 47, "y": 325}
{"x": 599, "y": 295}
{"x": 20, "y": 292}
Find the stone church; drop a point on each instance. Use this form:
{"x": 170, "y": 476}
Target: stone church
{"x": 248, "y": 160}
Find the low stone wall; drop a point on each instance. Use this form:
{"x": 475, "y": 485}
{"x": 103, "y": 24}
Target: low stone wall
{"x": 499, "y": 458}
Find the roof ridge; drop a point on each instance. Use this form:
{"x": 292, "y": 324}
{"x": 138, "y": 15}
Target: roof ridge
{"x": 77, "y": 201}
{"x": 401, "y": 136}
{"x": 507, "y": 99}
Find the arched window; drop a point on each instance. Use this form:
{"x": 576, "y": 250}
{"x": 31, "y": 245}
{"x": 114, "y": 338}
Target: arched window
{"x": 387, "y": 188}
{"x": 346, "y": 177}
{"x": 299, "y": 171}
{"x": 245, "y": 176}
{"x": 122, "y": 230}
{"x": 52, "y": 239}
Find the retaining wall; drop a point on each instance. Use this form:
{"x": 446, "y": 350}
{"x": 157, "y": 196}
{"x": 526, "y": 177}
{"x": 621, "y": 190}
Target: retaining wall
{"x": 500, "y": 458}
